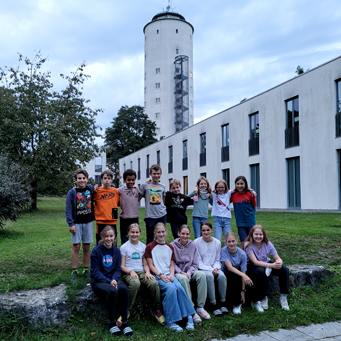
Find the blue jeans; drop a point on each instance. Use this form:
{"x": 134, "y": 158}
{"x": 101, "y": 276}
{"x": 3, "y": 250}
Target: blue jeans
{"x": 221, "y": 224}
{"x": 243, "y": 232}
{"x": 196, "y": 223}
{"x": 150, "y": 225}
{"x": 176, "y": 304}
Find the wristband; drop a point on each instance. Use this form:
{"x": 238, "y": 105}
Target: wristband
{"x": 244, "y": 290}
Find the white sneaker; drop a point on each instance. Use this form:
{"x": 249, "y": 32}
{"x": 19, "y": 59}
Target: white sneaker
{"x": 264, "y": 303}
{"x": 258, "y": 306}
{"x": 237, "y": 309}
{"x": 284, "y": 304}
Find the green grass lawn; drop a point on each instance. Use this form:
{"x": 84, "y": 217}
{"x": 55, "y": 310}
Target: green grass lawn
{"x": 35, "y": 252}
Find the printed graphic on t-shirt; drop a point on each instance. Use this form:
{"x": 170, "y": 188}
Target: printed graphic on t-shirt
{"x": 220, "y": 202}
{"x": 107, "y": 196}
{"x": 107, "y": 260}
{"x": 135, "y": 255}
{"x": 83, "y": 202}
{"x": 132, "y": 193}
{"x": 177, "y": 201}
{"x": 155, "y": 194}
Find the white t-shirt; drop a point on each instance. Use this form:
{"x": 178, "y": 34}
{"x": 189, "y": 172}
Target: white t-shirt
{"x": 221, "y": 205}
{"x": 133, "y": 254}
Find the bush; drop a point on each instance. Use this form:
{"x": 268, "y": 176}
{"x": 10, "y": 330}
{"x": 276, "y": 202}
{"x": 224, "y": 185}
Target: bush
{"x": 14, "y": 190}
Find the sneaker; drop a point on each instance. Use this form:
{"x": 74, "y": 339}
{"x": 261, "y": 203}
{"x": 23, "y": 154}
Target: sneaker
{"x": 258, "y": 306}
{"x": 264, "y": 303}
{"x": 237, "y": 309}
{"x": 86, "y": 273}
{"x": 74, "y": 275}
{"x": 284, "y": 304}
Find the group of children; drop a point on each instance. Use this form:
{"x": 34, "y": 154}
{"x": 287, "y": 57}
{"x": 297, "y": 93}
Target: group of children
{"x": 168, "y": 270}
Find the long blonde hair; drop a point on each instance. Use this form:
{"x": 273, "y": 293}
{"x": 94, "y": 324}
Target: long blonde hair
{"x": 106, "y": 229}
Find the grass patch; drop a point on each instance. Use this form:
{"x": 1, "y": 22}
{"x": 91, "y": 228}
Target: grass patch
{"x": 35, "y": 252}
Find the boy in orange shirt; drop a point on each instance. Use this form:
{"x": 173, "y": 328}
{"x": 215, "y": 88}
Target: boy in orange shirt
{"x": 106, "y": 201}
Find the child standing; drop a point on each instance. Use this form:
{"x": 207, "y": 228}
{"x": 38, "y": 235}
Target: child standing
{"x": 209, "y": 261}
{"x": 176, "y": 204}
{"x": 135, "y": 271}
{"x": 129, "y": 203}
{"x": 221, "y": 212}
{"x": 200, "y": 203}
{"x": 244, "y": 204}
{"x": 258, "y": 248}
{"x": 234, "y": 267}
{"x": 154, "y": 194}
{"x": 160, "y": 257}
{"x": 106, "y": 200}
{"x": 105, "y": 282}
{"x": 79, "y": 216}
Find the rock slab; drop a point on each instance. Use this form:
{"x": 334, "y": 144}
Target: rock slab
{"x": 45, "y": 307}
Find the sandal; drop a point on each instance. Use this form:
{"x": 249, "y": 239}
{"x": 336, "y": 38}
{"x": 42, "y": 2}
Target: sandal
{"x": 160, "y": 318}
{"x": 190, "y": 326}
{"x": 115, "y": 331}
{"x": 173, "y": 326}
{"x": 127, "y": 331}
{"x": 196, "y": 318}
{"x": 204, "y": 314}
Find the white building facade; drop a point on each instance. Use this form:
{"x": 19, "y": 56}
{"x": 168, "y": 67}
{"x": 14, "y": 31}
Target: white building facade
{"x": 168, "y": 77}
{"x": 285, "y": 141}
{"x": 96, "y": 166}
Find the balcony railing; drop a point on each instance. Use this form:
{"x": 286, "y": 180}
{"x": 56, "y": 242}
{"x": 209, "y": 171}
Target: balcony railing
{"x": 170, "y": 167}
{"x": 254, "y": 146}
{"x": 203, "y": 159}
{"x": 185, "y": 163}
{"x": 292, "y": 137}
{"x": 225, "y": 153}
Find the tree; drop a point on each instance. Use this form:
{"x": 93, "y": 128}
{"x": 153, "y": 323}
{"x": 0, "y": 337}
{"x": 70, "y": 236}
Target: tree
{"x": 299, "y": 70}
{"x": 131, "y": 130}
{"x": 46, "y": 131}
{"x": 14, "y": 189}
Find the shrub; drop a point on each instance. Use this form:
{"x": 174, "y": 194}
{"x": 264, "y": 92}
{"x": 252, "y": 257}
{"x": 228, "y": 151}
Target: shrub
{"x": 14, "y": 190}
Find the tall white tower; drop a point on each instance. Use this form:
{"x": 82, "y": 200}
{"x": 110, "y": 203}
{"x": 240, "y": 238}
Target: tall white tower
{"x": 168, "y": 77}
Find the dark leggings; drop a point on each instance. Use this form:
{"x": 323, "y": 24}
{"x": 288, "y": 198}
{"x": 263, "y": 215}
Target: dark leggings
{"x": 260, "y": 287}
{"x": 114, "y": 298}
{"x": 234, "y": 288}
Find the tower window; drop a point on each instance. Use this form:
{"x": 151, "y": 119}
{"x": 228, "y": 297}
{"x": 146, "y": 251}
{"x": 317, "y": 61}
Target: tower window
{"x": 157, "y": 31}
{"x": 157, "y": 85}
{"x": 157, "y": 115}
{"x": 157, "y": 100}
{"x": 177, "y": 51}
{"x": 157, "y": 70}
{"x": 176, "y": 31}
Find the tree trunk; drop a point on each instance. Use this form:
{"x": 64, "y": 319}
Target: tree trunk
{"x": 34, "y": 195}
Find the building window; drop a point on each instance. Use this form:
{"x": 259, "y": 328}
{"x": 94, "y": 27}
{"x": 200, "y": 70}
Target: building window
{"x": 177, "y": 51}
{"x": 254, "y": 134}
{"x": 255, "y": 181}
{"x": 225, "y": 175}
{"x": 158, "y": 161}
{"x": 191, "y": 89}
{"x": 147, "y": 169}
{"x": 203, "y": 174}
{"x": 98, "y": 179}
{"x": 145, "y": 75}
{"x": 157, "y": 100}
{"x": 185, "y": 185}
{"x": 157, "y": 31}
{"x": 294, "y": 184}
{"x": 338, "y": 109}
{"x": 98, "y": 164}
{"x": 131, "y": 164}
{"x": 184, "y": 155}
{"x": 157, "y": 70}
{"x": 138, "y": 169}
{"x": 191, "y": 104}
{"x": 170, "y": 159}
{"x": 176, "y": 31}
{"x": 292, "y": 137}
{"x": 157, "y": 85}
{"x": 157, "y": 115}
{"x": 203, "y": 149}
{"x": 145, "y": 90}
{"x": 124, "y": 167}
{"x": 191, "y": 74}
{"x": 225, "y": 143}
{"x": 157, "y": 130}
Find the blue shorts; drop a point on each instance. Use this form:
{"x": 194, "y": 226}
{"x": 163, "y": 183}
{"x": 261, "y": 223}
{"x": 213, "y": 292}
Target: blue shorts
{"x": 83, "y": 233}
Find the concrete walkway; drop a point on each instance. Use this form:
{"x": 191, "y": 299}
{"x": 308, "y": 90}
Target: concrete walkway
{"x": 326, "y": 331}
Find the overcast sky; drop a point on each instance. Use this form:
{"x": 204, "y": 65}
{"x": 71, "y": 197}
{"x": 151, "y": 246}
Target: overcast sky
{"x": 241, "y": 47}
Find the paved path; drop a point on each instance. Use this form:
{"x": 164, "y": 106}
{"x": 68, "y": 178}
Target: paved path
{"x": 330, "y": 331}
